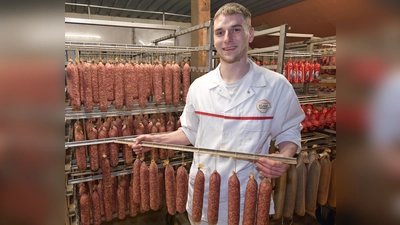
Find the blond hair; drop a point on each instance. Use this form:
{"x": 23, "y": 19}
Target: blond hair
{"x": 235, "y": 8}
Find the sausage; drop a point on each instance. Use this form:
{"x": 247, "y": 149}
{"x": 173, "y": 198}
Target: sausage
{"x": 279, "y": 195}
{"x": 110, "y": 79}
{"x": 148, "y": 76}
{"x": 101, "y": 72}
{"x": 80, "y": 153}
{"x": 100, "y": 191}
{"x": 168, "y": 84}
{"x": 142, "y": 85}
{"x": 135, "y": 81}
{"x": 323, "y": 186}
{"x": 96, "y": 208}
{"x": 233, "y": 200}
{"x": 311, "y": 157}
{"x": 121, "y": 202}
{"x": 114, "y": 148}
{"x": 108, "y": 210}
{"x": 118, "y": 124}
{"x": 84, "y": 209}
{"x": 119, "y": 86}
{"x": 103, "y": 148}
{"x": 132, "y": 203}
{"x": 91, "y": 185}
{"x": 124, "y": 183}
{"x": 198, "y": 195}
{"x": 250, "y": 202}
{"x": 128, "y": 85}
{"x": 87, "y": 88}
{"x": 185, "y": 81}
{"x": 81, "y": 90}
{"x": 300, "y": 203}
{"x": 73, "y": 86}
{"x": 93, "y": 149}
{"x": 312, "y": 186}
{"x": 106, "y": 171}
{"x": 290, "y": 194}
{"x": 161, "y": 187}
{"x": 127, "y": 151}
{"x": 170, "y": 189}
{"x": 114, "y": 194}
{"x": 213, "y": 197}
{"x": 144, "y": 187}
{"x": 264, "y": 202}
{"x": 157, "y": 82}
{"x": 332, "y": 185}
{"x": 136, "y": 181}
{"x": 153, "y": 184}
{"x": 182, "y": 179}
{"x": 82, "y": 188}
{"x": 176, "y": 85}
{"x": 95, "y": 82}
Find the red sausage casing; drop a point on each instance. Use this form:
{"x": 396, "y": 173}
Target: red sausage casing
{"x": 170, "y": 189}
{"x": 182, "y": 179}
{"x": 233, "y": 200}
{"x": 198, "y": 195}
{"x": 213, "y": 197}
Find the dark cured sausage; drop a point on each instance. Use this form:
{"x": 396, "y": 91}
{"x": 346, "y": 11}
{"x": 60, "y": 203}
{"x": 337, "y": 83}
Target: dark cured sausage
{"x": 168, "y": 84}
{"x": 136, "y": 181}
{"x": 80, "y": 152}
{"x": 182, "y": 179}
{"x": 95, "y": 82}
{"x": 129, "y": 71}
{"x": 114, "y": 148}
{"x": 119, "y": 86}
{"x": 114, "y": 193}
{"x": 144, "y": 187}
{"x": 87, "y": 88}
{"x": 185, "y": 81}
{"x": 264, "y": 202}
{"x": 101, "y": 71}
{"x": 157, "y": 82}
{"x": 93, "y": 149}
{"x": 161, "y": 187}
{"x": 132, "y": 204}
{"x": 100, "y": 191}
{"x": 96, "y": 208}
{"x": 108, "y": 210}
{"x": 250, "y": 202}
{"x": 198, "y": 195}
{"x": 176, "y": 84}
{"x": 170, "y": 189}
{"x": 213, "y": 197}
{"x": 103, "y": 148}
{"x": 85, "y": 209}
{"x": 233, "y": 200}
{"x": 121, "y": 202}
{"x": 153, "y": 184}
{"x": 127, "y": 151}
{"x": 73, "y": 86}
{"x": 106, "y": 171}
{"x": 110, "y": 81}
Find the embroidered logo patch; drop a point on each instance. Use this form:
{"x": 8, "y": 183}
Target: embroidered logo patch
{"x": 263, "y": 106}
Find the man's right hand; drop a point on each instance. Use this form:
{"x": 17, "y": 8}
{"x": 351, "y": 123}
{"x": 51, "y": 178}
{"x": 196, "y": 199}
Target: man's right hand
{"x": 137, "y": 147}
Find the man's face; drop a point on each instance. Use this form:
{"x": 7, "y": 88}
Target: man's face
{"x": 231, "y": 37}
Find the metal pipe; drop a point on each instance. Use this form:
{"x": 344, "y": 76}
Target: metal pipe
{"x": 281, "y": 51}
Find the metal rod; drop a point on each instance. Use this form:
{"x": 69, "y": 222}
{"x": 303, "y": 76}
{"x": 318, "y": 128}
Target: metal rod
{"x": 224, "y": 153}
{"x": 182, "y": 32}
{"x": 281, "y": 51}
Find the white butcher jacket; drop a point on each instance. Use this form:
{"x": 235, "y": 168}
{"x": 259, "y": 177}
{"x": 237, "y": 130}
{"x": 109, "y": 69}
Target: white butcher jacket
{"x": 264, "y": 108}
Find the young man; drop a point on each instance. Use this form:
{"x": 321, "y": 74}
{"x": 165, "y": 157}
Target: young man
{"x": 238, "y": 107}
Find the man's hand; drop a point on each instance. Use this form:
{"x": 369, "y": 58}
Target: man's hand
{"x": 271, "y": 168}
{"x": 137, "y": 147}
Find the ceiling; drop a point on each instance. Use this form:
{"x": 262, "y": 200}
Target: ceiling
{"x": 182, "y": 7}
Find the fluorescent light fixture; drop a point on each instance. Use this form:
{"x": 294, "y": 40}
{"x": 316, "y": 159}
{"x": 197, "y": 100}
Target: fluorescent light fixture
{"x": 82, "y": 35}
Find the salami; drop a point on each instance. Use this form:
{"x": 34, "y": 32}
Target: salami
{"x": 185, "y": 81}
{"x": 127, "y": 151}
{"x": 87, "y": 88}
{"x": 153, "y": 184}
{"x": 198, "y": 195}
{"x": 121, "y": 202}
{"x": 96, "y": 210}
{"x": 132, "y": 203}
{"x": 114, "y": 148}
{"x": 157, "y": 82}
{"x": 213, "y": 197}
{"x": 233, "y": 200}
{"x": 135, "y": 82}
{"x": 93, "y": 149}
{"x": 128, "y": 85}
{"x": 119, "y": 86}
{"x": 136, "y": 181}
{"x": 108, "y": 209}
{"x": 101, "y": 71}
{"x": 114, "y": 194}
{"x": 264, "y": 202}
{"x": 81, "y": 90}
{"x": 182, "y": 179}
{"x": 176, "y": 84}
{"x": 73, "y": 86}
{"x": 148, "y": 70}
{"x": 142, "y": 85}
{"x": 84, "y": 209}
{"x": 80, "y": 153}
{"x": 100, "y": 191}
{"x": 106, "y": 172}
{"x": 168, "y": 84}
{"x": 161, "y": 188}
{"x": 250, "y": 202}
{"x": 109, "y": 68}
{"x": 144, "y": 187}
{"x": 103, "y": 148}
{"x": 95, "y": 82}
{"x": 170, "y": 189}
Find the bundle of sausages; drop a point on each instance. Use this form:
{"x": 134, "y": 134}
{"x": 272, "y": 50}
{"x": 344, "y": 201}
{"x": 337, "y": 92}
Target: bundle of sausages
{"x": 123, "y": 84}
